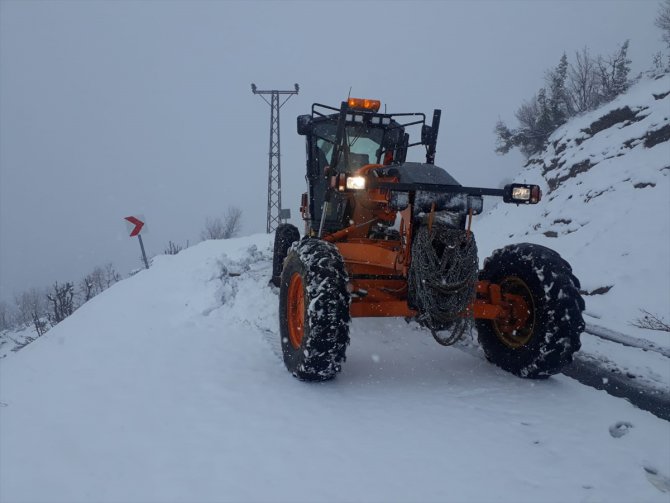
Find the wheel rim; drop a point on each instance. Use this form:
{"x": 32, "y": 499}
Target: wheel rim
{"x": 296, "y": 311}
{"x": 518, "y": 330}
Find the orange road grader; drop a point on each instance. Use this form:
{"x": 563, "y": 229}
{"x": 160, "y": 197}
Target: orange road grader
{"x": 388, "y": 237}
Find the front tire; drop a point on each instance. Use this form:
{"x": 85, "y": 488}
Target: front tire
{"x": 314, "y": 310}
{"x": 285, "y": 236}
{"x": 549, "y": 336}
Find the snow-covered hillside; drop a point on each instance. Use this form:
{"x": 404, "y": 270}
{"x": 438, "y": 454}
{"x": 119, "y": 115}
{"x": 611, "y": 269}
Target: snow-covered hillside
{"x": 170, "y": 386}
{"x": 606, "y": 207}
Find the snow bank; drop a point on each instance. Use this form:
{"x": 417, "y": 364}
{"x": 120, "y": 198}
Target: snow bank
{"x": 169, "y": 386}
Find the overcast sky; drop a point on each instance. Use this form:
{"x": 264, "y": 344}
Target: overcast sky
{"x": 110, "y": 109}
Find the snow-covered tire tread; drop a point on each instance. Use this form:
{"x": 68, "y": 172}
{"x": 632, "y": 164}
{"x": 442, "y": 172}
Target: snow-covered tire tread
{"x": 557, "y": 314}
{"x": 326, "y": 324}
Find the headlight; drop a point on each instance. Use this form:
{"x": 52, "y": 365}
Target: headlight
{"x": 521, "y": 193}
{"x": 355, "y": 182}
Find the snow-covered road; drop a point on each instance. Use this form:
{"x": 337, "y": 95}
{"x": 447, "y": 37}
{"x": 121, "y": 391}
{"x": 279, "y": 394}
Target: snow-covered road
{"x": 170, "y": 387}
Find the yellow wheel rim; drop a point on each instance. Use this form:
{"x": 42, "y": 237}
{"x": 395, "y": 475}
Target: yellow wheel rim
{"x": 518, "y": 330}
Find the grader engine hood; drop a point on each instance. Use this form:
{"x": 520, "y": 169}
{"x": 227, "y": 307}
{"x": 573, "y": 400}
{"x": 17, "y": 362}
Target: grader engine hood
{"x": 420, "y": 173}
{"x": 429, "y": 184}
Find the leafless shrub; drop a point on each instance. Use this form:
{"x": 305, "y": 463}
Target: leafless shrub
{"x": 92, "y": 284}
{"x": 172, "y": 248}
{"x": 651, "y": 322}
{"x": 30, "y": 307}
{"x": 40, "y": 326}
{"x": 61, "y": 298}
{"x": 97, "y": 281}
{"x": 111, "y": 276}
{"x": 583, "y": 84}
{"x": 223, "y": 228}
{"x": 213, "y": 229}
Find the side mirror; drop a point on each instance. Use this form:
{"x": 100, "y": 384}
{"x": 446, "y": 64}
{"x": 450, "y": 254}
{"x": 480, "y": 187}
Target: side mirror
{"x": 427, "y": 134}
{"x": 476, "y": 204}
{"x": 304, "y": 124}
{"x": 521, "y": 193}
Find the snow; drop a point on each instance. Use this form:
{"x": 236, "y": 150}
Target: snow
{"x": 648, "y": 366}
{"x": 170, "y": 386}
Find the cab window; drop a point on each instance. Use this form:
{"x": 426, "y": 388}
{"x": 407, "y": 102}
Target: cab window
{"x": 362, "y": 145}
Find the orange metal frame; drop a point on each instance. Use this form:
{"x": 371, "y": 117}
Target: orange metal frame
{"x": 378, "y": 269}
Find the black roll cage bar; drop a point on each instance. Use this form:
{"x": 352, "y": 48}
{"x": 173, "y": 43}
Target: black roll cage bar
{"x": 428, "y": 133}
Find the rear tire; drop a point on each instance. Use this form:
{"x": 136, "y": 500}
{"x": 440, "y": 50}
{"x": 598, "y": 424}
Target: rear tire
{"x": 314, "y": 310}
{"x": 550, "y": 336}
{"x": 285, "y": 236}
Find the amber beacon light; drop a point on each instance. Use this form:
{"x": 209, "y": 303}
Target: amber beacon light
{"x": 364, "y": 104}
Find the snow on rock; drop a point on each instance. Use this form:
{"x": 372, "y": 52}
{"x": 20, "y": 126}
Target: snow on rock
{"x": 170, "y": 387}
{"x": 606, "y": 208}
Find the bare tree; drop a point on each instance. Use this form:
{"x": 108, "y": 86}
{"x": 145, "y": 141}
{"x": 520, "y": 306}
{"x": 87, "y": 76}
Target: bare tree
{"x": 62, "y": 302}
{"x": 87, "y": 288}
{"x": 528, "y": 114}
{"x": 663, "y": 21}
{"x": 535, "y": 126}
{"x": 223, "y": 228}
{"x": 657, "y": 65}
{"x": 111, "y": 276}
{"x": 92, "y": 284}
{"x": 583, "y": 82}
{"x": 31, "y": 309}
{"x": 40, "y": 325}
{"x": 97, "y": 281}
{"x": 232, "y": 222}
{"x": 28, "y": 303}
{"x": 213, "y": 229}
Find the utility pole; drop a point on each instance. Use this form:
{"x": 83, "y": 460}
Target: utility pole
{"x": 274, "y": 164}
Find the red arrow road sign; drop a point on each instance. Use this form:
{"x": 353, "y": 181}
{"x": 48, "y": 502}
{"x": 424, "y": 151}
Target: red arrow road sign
{"x": 138, "y": 225}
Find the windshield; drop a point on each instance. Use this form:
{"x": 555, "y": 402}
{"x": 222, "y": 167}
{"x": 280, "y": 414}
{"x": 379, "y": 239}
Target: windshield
{"x": 362, "y": 145}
